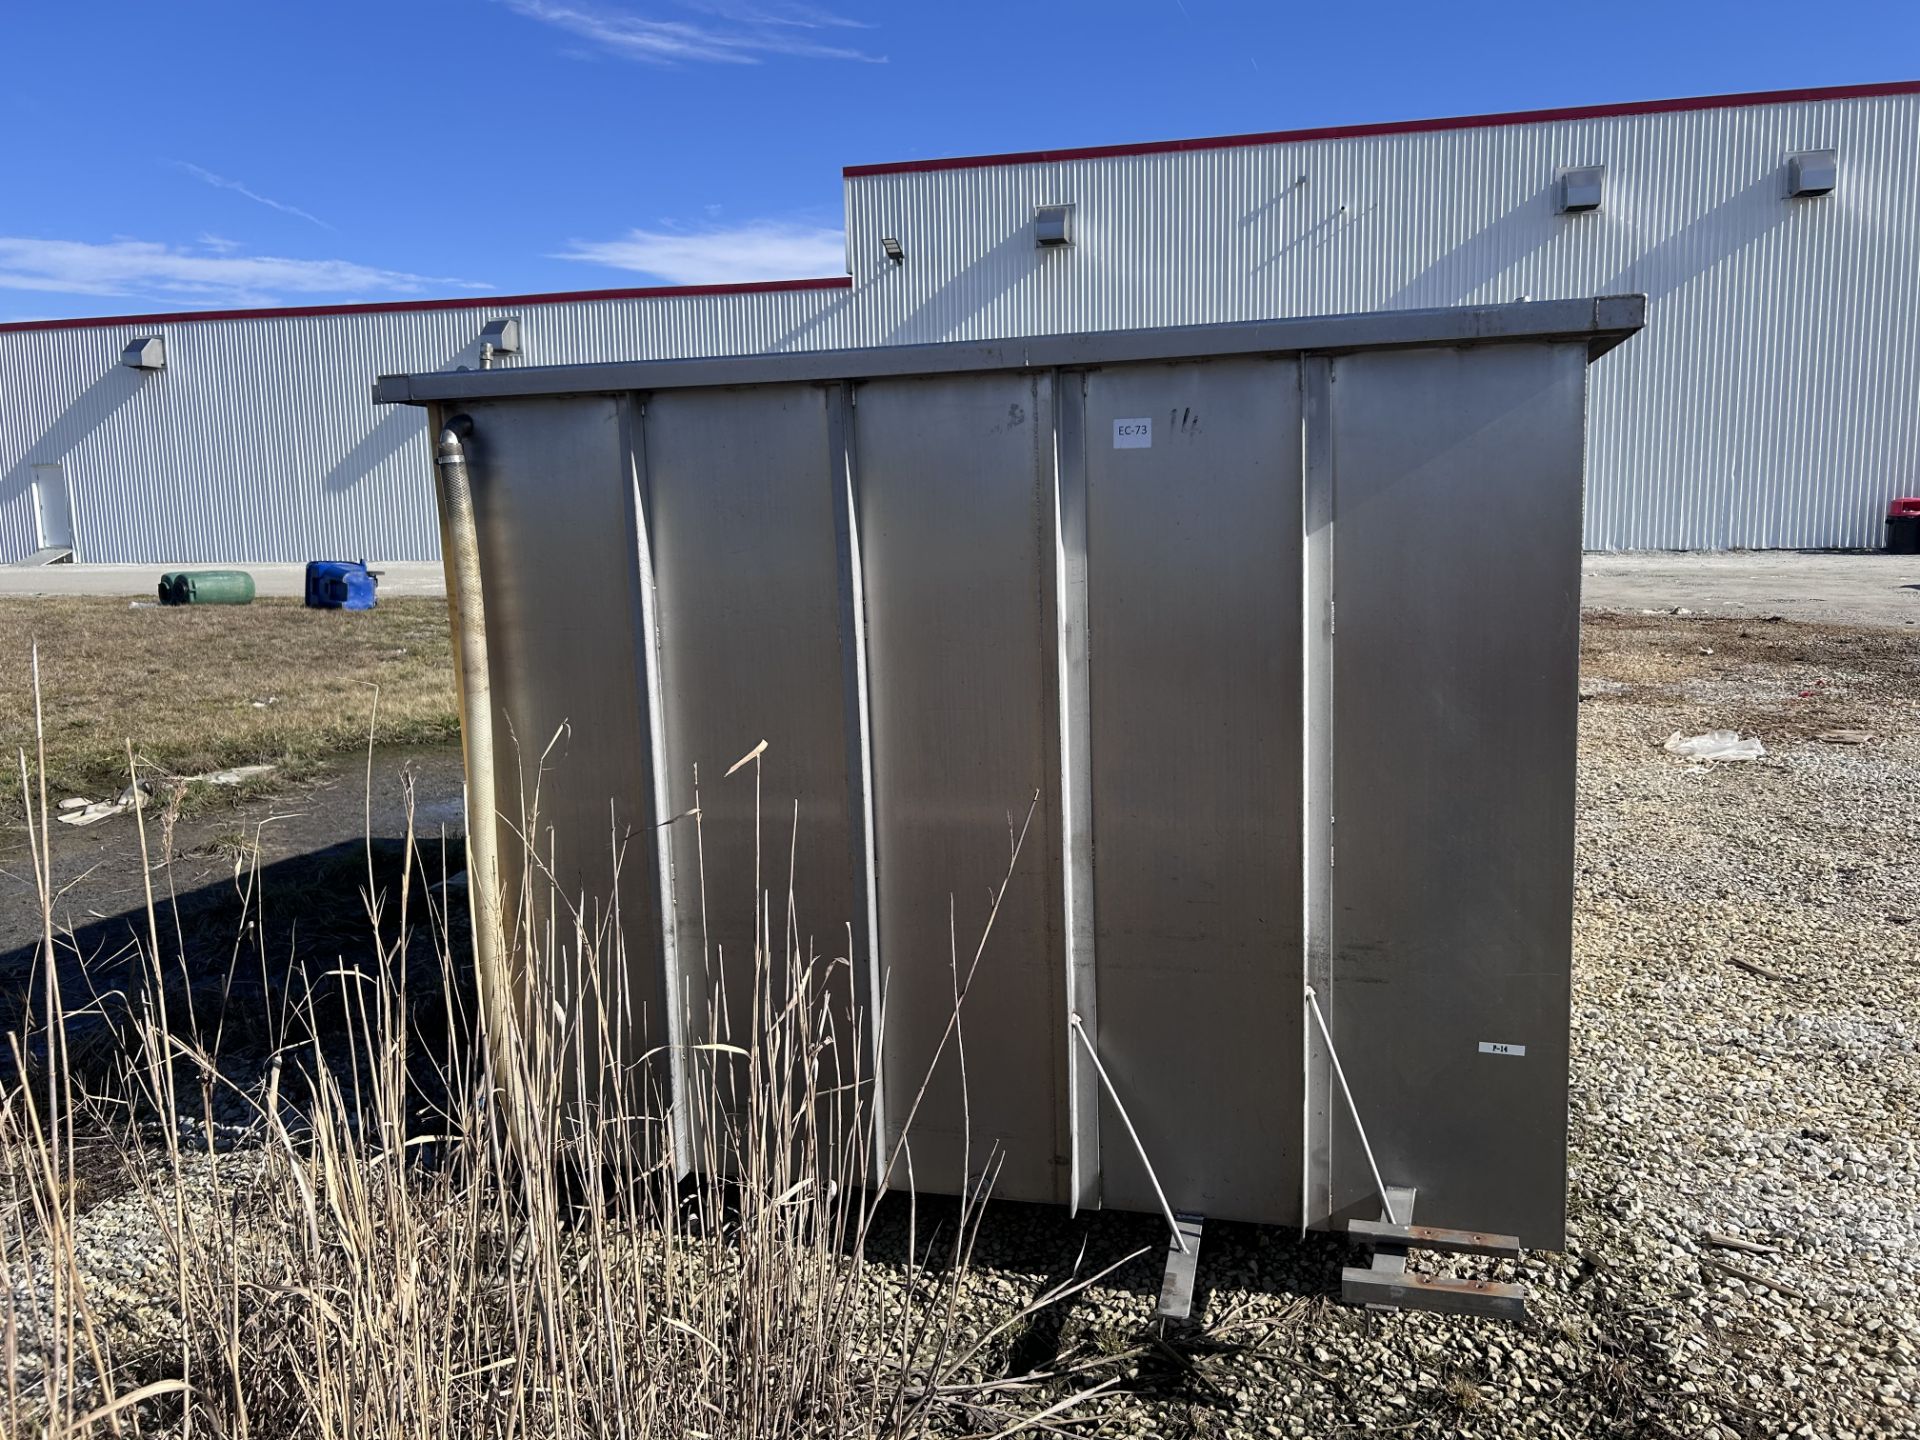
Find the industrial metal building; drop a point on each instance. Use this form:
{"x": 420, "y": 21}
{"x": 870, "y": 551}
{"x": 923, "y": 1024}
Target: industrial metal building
{"x": 1772, "y": 402}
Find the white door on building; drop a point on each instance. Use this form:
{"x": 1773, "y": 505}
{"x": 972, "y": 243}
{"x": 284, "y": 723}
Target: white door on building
{"x": 52, "y": 509}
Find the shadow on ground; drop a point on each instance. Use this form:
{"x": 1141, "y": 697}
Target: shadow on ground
{"x": 1041, "y": 1248}
{"x": 275, "y": 959}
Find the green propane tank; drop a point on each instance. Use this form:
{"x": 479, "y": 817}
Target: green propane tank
{"x": 206, "y": 587}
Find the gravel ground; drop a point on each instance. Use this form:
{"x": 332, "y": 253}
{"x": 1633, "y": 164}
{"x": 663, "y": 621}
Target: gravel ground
{"x": 1746, "y": 1066}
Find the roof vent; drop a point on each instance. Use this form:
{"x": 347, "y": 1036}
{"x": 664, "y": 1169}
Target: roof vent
{"x": 149, "y": 352}
{"x": 1580, "y": 189}
{"x": 1812, "y": 172}
{"x": 502, "y": 335}
{"x": 1053, "y": 226}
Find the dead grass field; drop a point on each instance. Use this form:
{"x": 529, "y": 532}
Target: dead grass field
{"x": 201, "y": 688}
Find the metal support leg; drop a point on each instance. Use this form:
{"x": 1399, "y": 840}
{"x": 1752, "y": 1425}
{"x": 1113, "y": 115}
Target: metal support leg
{"x": 1385, "y": 1284}
{"x": 1183, "y": 1257}
{"x": 1389, "y": 1263}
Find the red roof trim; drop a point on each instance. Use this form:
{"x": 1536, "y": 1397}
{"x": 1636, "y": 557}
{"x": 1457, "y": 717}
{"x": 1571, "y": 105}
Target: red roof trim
{"x": 1396, "y": 127}
{"x": 464, "y": 302}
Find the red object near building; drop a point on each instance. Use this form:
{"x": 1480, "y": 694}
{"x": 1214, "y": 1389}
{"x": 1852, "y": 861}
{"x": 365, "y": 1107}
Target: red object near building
{"x": 1903, "y": 525}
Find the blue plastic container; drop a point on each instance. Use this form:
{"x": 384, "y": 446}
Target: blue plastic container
{"x": 340, "y": 585}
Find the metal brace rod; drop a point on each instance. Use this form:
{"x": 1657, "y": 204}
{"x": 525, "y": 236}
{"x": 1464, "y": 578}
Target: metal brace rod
{"x": 1386, "y": 1201}
{"x": 1114, "y": 1095}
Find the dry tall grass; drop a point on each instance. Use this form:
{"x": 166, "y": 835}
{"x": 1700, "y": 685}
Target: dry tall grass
{"x": 376, "y": 1258}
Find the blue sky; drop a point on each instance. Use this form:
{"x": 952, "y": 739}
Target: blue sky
{"x": 184, "y": 154}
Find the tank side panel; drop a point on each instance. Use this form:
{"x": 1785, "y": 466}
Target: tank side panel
{"x": 955, "y": 475}
{"x": 742, "y": 487}
{"x": 553, "y": 497}
{"x": 1194, "y": 545}
{"x": 1456, "y": 593}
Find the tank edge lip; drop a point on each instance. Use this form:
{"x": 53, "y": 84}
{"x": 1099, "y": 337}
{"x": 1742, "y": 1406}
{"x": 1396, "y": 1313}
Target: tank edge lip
{"x": 1602, "y": 321}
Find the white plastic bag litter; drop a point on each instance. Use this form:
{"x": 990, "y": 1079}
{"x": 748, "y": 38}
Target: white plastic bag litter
{"x": 1716, "y": 745}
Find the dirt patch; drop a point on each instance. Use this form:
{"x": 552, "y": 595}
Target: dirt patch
{"x": 1785, "y": 680}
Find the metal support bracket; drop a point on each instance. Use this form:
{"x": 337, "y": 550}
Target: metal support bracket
{"x": 1385, "y": 1284}
{"x": 1176, "y": 1285}
{"x": 1432, "y": 1237}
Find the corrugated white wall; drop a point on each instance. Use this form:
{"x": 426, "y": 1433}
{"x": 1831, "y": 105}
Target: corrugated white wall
{"x": 259, "y": 441}
{"x": 1773, "y": 400}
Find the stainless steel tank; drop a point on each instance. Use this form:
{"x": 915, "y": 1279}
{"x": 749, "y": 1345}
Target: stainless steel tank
{"x": 1271, "y": 628}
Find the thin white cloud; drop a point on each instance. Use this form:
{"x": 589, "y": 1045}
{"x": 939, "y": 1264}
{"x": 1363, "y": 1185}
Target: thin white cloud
{"x": 221, "y": 182}
{"x": 747, "y": 34}
{"x": 806, "y": 17}
{"x": 191, "y": 279}
{"x": 720, "y": 255}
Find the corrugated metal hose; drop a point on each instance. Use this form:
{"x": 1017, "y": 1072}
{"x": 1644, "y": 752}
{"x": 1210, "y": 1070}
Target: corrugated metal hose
{"x": 461, "y": 546}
